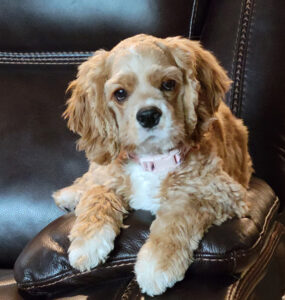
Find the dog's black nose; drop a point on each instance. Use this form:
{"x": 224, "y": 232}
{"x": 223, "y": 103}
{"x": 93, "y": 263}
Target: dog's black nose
{"x": 148, "y": 117}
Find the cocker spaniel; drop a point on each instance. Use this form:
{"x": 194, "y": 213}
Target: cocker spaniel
{"x": 158, "y": 137}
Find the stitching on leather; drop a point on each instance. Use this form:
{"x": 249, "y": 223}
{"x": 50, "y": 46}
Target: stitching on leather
{"x": 71, "y": 276}
{"x": 251, "y": 25}
{"x": 235, "y": 48}
{"x": 240, "y": 55}
{"x": 245, "y": 287}
{"x": 44, "y": 58}
{"x": 193, "y": 17}
{"x": 138, "y": 296}
{"x": 233, "y": 257}
{"x": 45, "y": 53}
{"x": 243, "y": 252}
{"x": 128, "y": 291}
{"x": 235, "y": 289}
{"x": 272, "y": 245}
{"x": 41, "y": 63}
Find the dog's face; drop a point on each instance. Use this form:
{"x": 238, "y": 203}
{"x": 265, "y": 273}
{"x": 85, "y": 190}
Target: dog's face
{"x": 146, "y": 95}
{"x": 144, "y": 92}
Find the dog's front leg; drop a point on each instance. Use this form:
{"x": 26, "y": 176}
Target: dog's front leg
{"x": 99, "y": 216}
{"x": 167, "y": 254}
{"x": 185, "y": 215}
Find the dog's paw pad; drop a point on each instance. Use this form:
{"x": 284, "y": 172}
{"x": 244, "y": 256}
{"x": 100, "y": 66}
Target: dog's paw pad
{"x": 85, "y": 254}
{"x": 150, "y": 277}
{"x": 67, "y": 198}
{"x": 80, "y": 262}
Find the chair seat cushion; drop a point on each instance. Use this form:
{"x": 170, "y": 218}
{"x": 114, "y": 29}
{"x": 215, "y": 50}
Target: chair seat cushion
{"x": 229, "y": 249}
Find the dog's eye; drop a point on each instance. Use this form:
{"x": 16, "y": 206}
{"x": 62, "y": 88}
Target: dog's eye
{"x": 168, "y": 85}
{"x": 120, "y": 95}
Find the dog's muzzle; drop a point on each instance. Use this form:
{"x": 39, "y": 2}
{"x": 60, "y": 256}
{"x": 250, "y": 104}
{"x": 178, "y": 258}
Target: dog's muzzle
{"x": 149, "y": 117}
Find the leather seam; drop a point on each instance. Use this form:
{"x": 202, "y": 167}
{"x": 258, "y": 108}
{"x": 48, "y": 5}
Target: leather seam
{"x": 243, "y": 252}
{"x": 240, "y": 56}
{"x": 44, "y": 58}
{"x": 21, "y": 286}
{"x": 244, "y": 82}
{"x": 128, "y": 291}
{"x": 42, "y": 63}
{"x": 193, "y": 17}
{"x": 260, "y": 267}
{"x": 235, "y": 289}
{"x": 235, "y": 50}
{"x": 138, "y": 295}
{"x": 40, "y": 53}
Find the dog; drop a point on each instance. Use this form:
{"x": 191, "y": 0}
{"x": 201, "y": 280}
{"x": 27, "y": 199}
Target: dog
{"x": 158, "y": 137}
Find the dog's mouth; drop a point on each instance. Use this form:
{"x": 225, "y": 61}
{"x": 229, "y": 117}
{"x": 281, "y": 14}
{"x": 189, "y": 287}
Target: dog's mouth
{"x": 153, "y": 135}
{"x": 156, "y": 142}
{"x": 150, "y": 138}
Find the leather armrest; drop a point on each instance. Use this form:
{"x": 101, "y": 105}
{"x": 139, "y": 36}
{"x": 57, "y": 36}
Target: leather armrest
{"x": 229, "y": 249}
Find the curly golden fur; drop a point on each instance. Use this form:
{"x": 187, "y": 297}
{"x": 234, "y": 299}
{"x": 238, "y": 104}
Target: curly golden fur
{"x": 207, "y": 188}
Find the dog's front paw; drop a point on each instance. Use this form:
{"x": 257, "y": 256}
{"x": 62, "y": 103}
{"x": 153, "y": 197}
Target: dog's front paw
{"x": 154, "y": 273}
{"x": 85, "y": 254}
{"x": 67, "y": 198}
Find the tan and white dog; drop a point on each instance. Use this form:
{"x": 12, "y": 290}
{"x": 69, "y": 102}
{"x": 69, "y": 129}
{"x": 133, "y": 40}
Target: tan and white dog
{"x": 159, "y": 138}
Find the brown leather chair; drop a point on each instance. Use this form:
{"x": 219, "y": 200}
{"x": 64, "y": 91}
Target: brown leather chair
{"x": 41, "y": 45}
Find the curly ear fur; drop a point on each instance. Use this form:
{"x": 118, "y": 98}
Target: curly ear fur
{"x": 206, "y": 83}
{"x": 88, "y": 114}
{"x": 214, "y": 83}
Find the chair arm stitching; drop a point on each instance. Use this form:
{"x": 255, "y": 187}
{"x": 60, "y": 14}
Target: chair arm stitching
{"x": 232, "y": 292}
{"x": 244, "y": 252}
{"x": 255, "y": 271}
{"x": 128, "y": 291}
{"x": 71, "y": 276}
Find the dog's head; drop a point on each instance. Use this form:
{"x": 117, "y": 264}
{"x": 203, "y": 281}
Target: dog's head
{"x": 146, "y": 95}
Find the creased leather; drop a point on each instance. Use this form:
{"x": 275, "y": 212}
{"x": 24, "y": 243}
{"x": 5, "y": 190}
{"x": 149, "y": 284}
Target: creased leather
{"x": 225, "y": 250}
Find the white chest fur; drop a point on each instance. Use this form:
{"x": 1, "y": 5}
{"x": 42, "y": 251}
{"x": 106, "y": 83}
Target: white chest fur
{"x": 145, "y": 187}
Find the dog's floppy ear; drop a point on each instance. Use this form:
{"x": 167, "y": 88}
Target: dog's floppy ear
{"x": 213, "y": 79}
{"x": 88, "y": 114}
{"x": 206, "y": 81}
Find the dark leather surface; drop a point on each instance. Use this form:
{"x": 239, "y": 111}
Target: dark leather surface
{"x": 248, "y": 38}
{"x": 274, "y": 277}
{"x": 37, "y": 153}
{"x": 226, "y": 250}
{"x": 87, "y": 25}
{"x": 198, "y": 16}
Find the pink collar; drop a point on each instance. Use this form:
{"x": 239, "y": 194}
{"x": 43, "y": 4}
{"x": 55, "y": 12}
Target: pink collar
{"x": 161, "y": 162}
